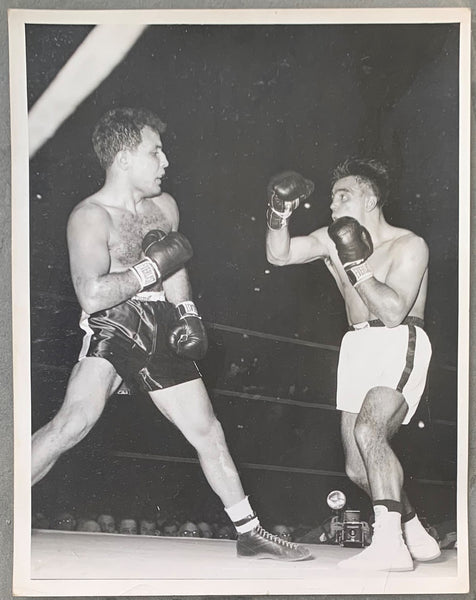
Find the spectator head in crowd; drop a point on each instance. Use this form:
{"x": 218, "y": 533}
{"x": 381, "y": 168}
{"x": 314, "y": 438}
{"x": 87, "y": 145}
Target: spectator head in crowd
{"x": 225, "y": 532}
{"x": 147, "y": 526}
{"x": 189, "y": 529}
{"x": 88, "y": 525}
{"x": 128, "y": 525}
{"x": 282, "y": 531}
{"x": 205, "y": 529}
{"x": 64, "y": 521}
{"x": 170, "y": 528}
{"x": 107, "y": 523}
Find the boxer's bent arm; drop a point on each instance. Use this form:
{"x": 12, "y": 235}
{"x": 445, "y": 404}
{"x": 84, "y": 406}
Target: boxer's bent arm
{"x": 392, "y": 300}
{"x": 177, "y": 287}
{"x": 281, "y": 249}
{"x": 95, "y": 287}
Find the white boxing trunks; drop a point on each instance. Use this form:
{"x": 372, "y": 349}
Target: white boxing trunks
{"x": 378, "y": 356}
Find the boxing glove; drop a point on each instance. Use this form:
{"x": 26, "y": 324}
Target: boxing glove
{"x": 285, "y": 191}
{"x": 164, "y": 254}
{"x": 354, "y": 246}
{"x": 186, "y": 335}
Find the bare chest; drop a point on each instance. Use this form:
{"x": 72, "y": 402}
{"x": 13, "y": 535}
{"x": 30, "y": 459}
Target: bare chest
{"x": 379, "y": 263}
{"x": 126, "y": 234}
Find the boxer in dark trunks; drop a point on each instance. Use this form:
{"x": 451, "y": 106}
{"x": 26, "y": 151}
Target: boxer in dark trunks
{"x": 381, "y": 272}
{"x": 128, "y": 269}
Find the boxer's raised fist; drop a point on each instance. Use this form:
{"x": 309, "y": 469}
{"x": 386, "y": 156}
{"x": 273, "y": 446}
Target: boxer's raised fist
{"x": 285, "y": 191}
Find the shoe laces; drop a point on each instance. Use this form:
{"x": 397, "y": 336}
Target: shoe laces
{"x": 275, "y": 538}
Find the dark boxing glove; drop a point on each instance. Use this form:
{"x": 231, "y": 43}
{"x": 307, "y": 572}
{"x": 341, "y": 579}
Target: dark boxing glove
{"x": 165, "y": 253}
{"x": 354, "y": 246}
{"x": 285, "y": 192}
{"x": 187, "y": 336}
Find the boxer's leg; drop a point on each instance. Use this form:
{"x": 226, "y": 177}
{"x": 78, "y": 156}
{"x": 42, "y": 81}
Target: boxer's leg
{"x": 354, "y": 465}
{"x": 91, "y": 382}
{"x": 422, "y": 545}
{"x": 381, "y": 414}
{"x": 188, "y": 406}
{"x": 380, "y": 417}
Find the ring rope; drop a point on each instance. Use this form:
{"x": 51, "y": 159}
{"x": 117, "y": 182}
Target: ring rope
{"x": 271, "y": 336}
{"x": 259, "y": 467}
{"x": 275, "y": 400}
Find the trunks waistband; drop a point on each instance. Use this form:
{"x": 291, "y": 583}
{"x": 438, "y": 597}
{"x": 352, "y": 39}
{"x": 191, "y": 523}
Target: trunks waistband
{"x": 378, "y": 323}
{"x": 150, "y": 296}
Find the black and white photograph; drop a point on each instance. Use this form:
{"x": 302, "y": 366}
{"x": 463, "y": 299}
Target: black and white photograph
{"x": 240, "y": 301}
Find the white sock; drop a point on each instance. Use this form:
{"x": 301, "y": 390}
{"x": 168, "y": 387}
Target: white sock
{"x": 242, "y": 515}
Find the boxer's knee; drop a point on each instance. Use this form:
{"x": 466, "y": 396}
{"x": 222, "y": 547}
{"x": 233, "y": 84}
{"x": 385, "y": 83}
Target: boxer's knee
{"x": 366, "y": 433}
{"x": 207, "y": 436}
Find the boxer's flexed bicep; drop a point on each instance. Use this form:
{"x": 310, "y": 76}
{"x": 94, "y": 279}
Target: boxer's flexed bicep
{"x": 87, "y": 234}
{"x": 304, "y": 249}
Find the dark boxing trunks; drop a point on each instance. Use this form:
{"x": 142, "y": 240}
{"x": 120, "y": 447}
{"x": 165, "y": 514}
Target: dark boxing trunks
{"x": 132, "y": 337}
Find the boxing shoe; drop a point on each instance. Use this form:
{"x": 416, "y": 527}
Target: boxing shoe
{"x": 387, "y": 552}
{"x": 421, "y": 544}
{"x": 259, "y": 543}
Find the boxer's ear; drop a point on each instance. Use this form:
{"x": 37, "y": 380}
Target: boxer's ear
{"x": 370, "y": 202}
{"x": 122, "y": 159}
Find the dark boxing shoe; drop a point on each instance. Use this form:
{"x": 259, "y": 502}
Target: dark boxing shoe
{"x": 259, "y": 543}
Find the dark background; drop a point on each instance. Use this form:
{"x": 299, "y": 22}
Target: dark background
{"x": 241, "y": 103}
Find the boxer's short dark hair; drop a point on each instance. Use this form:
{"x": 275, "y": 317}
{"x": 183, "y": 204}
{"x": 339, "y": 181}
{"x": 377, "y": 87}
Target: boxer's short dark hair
{"x": 119, "y": 129}
{"x": 368, "y": 170}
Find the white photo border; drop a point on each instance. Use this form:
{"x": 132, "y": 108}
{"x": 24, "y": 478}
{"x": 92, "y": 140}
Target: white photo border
{"x": 18, "y": 18}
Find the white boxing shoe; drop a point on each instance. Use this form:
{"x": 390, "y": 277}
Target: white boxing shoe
{"x": 384, "y": 555}
{"x": 387, "y": 552}
{"x": 422, "y": 545}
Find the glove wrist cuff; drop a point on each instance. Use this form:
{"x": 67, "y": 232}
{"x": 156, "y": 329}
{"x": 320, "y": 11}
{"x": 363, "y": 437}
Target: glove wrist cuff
{"x": 276, "y": 220}
{"x": 358, "y": 273}
{"x": 187, "y": 309}
{"x": 146, "y": 272}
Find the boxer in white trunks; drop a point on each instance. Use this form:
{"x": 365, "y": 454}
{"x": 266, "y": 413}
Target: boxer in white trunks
{"x": 381, "y": 272}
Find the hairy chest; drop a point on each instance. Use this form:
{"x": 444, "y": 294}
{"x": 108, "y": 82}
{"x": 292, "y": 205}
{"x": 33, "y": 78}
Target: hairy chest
{"x": 128, "y": 230}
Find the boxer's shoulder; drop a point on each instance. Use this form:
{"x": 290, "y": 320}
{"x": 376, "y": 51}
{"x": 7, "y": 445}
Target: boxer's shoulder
{"x": 403, "y": 241}
{"x": 166, "y": 205}
{"x": 90, "y": 212}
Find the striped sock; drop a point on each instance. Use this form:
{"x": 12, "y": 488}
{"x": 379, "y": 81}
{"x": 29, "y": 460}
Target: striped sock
{"x": 243, "y": 516}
